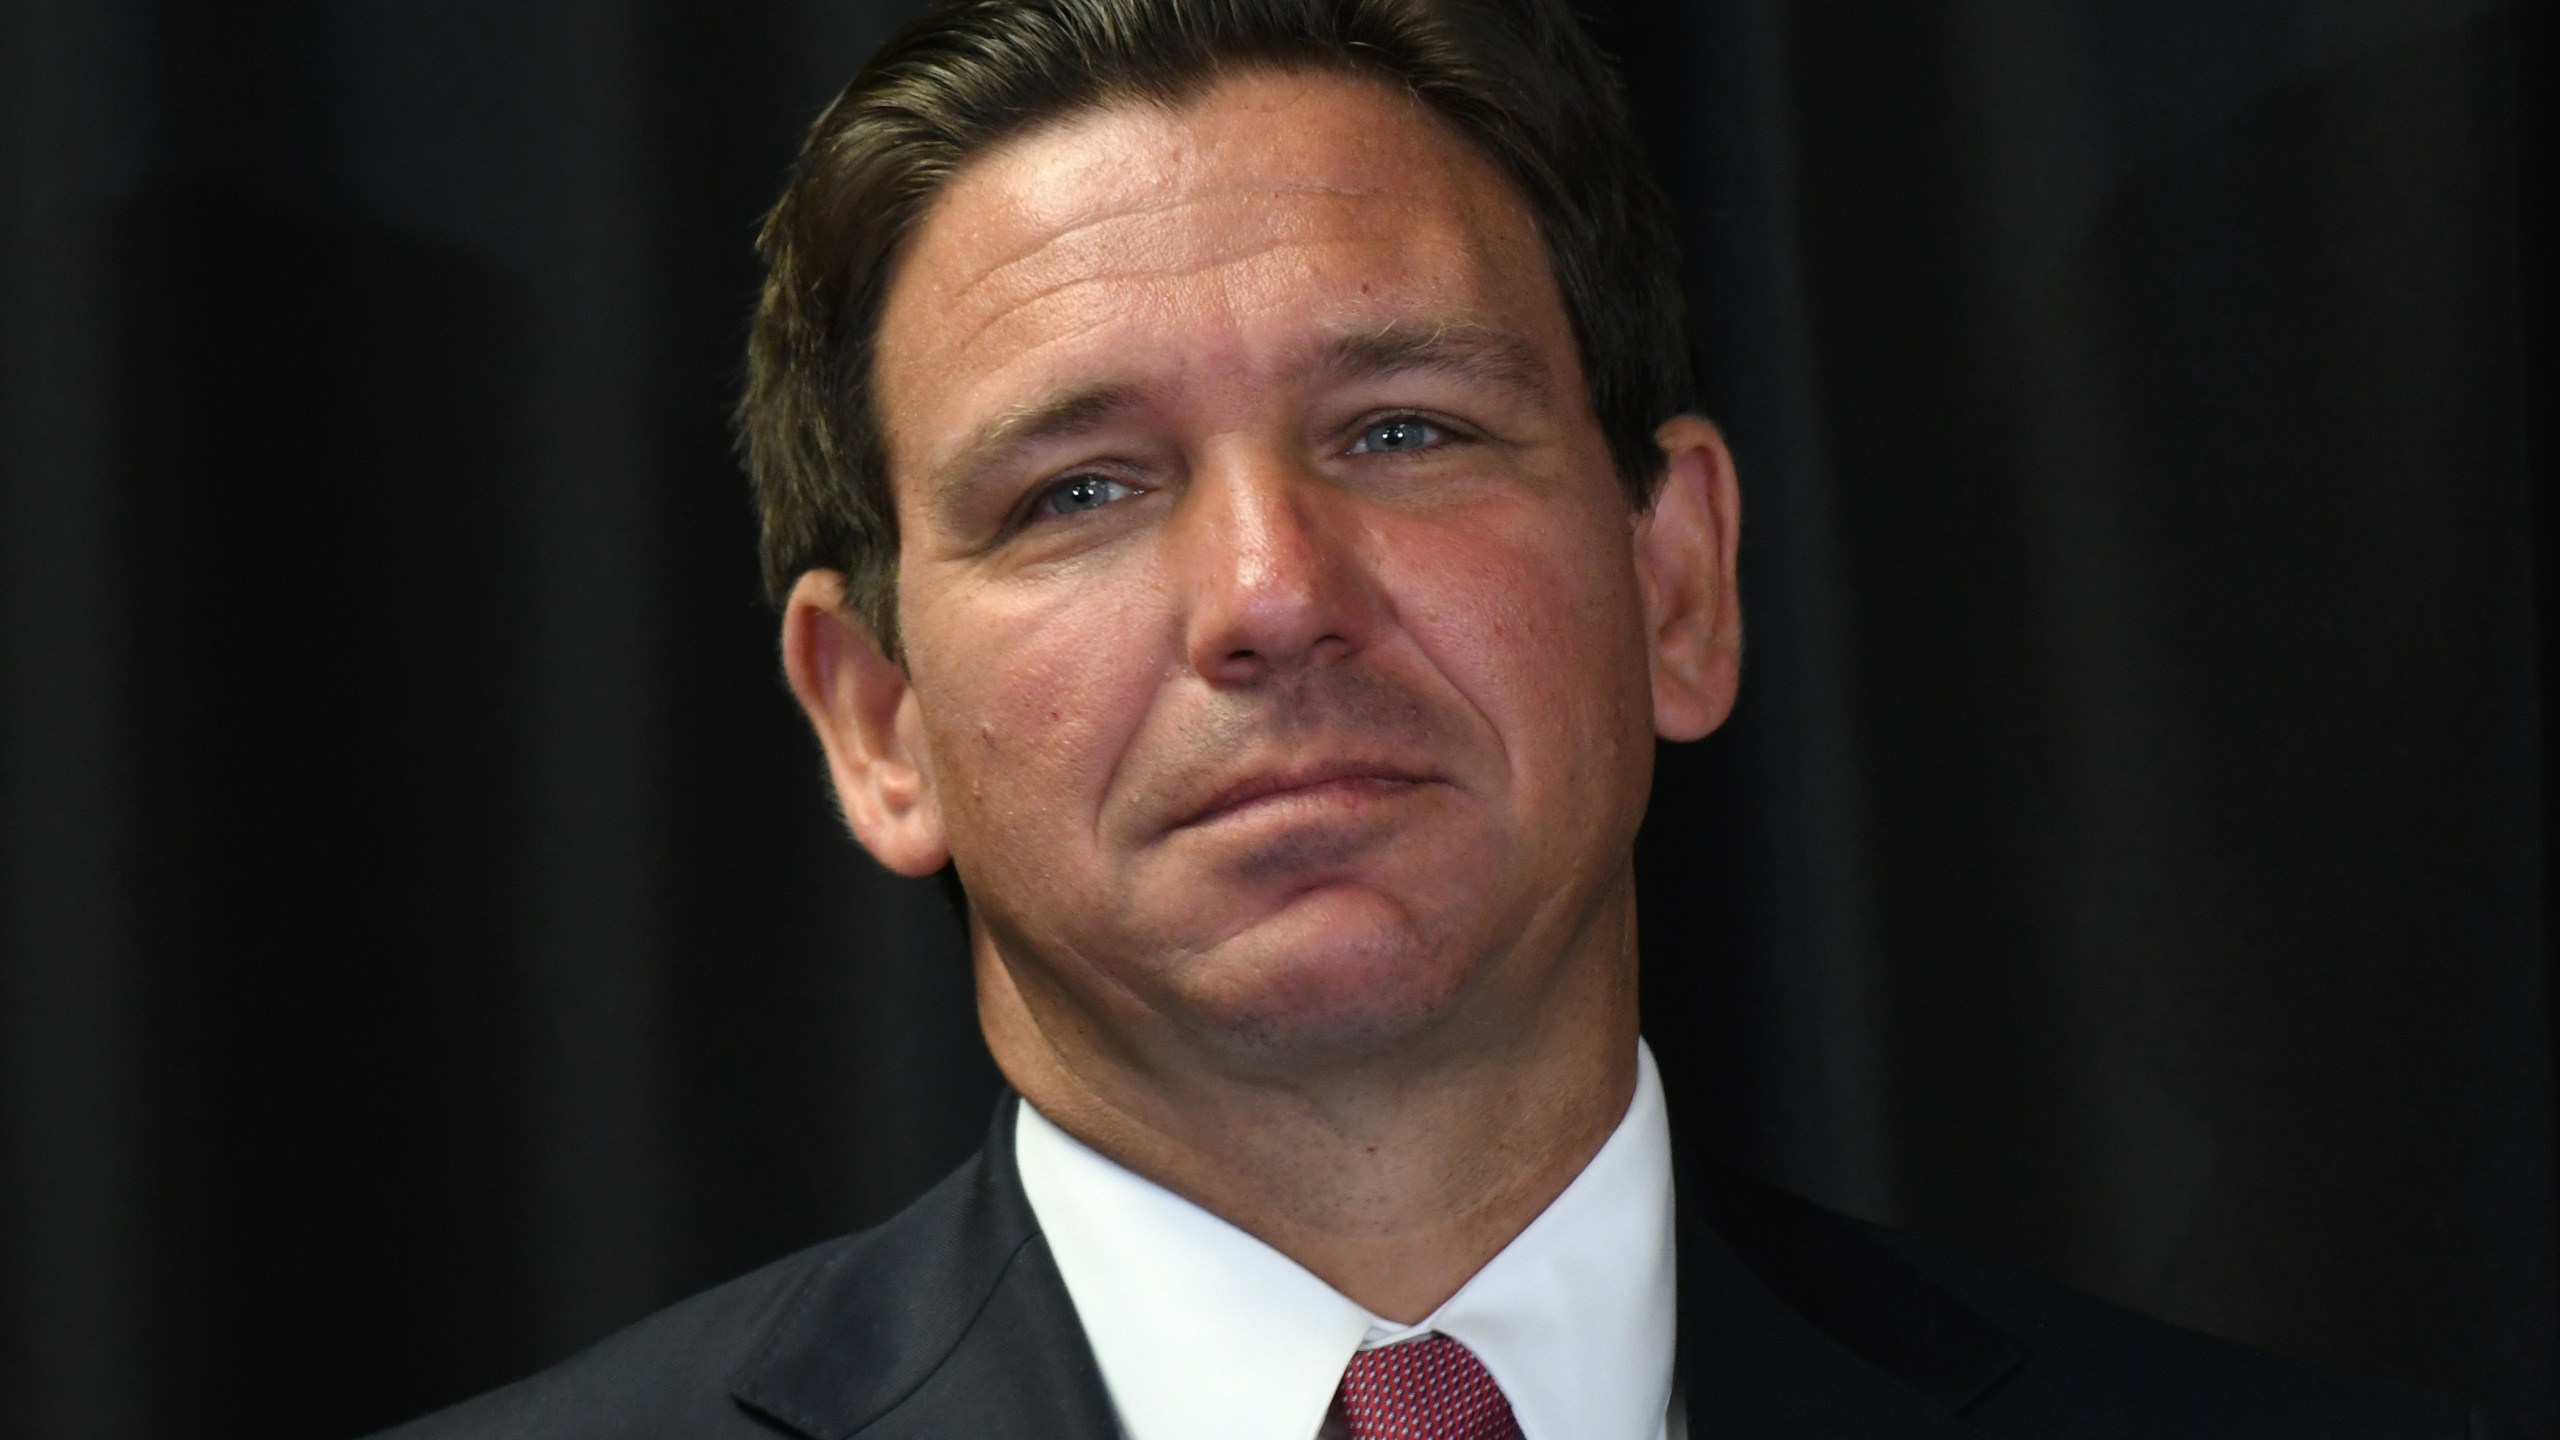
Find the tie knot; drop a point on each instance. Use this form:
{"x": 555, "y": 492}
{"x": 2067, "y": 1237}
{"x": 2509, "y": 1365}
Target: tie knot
{"x": 1428, "y": 1389}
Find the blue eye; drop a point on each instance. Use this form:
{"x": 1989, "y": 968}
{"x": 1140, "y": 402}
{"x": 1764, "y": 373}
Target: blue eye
{"x": 1398, "y": 436}
{"x": 1078, "y": 494}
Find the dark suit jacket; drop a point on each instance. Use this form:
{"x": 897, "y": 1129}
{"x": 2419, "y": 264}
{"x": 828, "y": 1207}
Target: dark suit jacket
{"x": 950, "y": 1320}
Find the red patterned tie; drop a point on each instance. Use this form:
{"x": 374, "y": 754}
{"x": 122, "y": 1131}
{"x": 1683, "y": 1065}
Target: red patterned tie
{"x": 1428, "y": 1389}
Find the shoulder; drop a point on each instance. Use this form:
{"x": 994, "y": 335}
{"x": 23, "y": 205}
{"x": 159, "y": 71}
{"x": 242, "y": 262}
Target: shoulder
{"x": 868, "y": 1308}
{"x": 666, "y": 1375}
{"x": 2159, "y": 1379}
{"x": 2011, "y": 1355}
{"x": 947, "y": 1319}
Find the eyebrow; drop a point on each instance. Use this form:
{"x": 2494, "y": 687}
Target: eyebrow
{"x": 1053, "y": 416}
{"x": 1463, "y": 349}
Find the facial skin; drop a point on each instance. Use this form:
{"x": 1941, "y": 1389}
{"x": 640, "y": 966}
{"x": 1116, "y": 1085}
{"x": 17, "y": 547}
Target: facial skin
{"x": 1282, "y": 663}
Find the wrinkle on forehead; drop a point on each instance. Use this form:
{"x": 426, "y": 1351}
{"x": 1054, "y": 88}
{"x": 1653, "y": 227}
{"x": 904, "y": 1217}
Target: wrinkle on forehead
{"x": 1094, "y": 300}
{"x": 1182, "y": 249}
{"x": 1098, "y": 237}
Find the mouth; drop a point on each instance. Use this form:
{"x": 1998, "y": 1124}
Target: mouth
{"x": 1307, "y": 787}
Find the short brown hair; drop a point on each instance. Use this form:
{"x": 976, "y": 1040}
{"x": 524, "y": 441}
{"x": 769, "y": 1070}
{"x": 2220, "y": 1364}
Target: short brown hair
{"x": 1518, "y": 78}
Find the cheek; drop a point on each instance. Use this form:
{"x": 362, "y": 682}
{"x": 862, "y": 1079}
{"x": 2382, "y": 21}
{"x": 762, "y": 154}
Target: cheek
{"x": 1027, "y": 696}
{"x": 1540, "y": 627}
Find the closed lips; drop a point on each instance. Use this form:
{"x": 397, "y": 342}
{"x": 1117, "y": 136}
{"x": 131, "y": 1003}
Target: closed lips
{"x": 1274, "y": 786}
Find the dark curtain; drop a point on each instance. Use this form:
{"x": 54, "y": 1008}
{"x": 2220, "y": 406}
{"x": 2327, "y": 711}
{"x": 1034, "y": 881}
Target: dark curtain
{"x": 425, "y": 942}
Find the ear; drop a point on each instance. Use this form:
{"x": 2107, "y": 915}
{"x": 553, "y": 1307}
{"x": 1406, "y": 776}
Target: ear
{"x": 859, "y": 702}
{"x": 1685, "y": 561}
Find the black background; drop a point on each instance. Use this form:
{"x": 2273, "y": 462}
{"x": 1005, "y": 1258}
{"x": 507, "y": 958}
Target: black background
{"x": 425, "y": 942}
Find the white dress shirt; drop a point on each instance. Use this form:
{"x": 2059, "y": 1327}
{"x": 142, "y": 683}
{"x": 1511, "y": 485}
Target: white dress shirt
{"x": 1205, "y": 1333}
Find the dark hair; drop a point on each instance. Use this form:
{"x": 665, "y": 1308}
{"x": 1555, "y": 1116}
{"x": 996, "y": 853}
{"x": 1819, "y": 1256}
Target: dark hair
{"x": 1518, "y": 78}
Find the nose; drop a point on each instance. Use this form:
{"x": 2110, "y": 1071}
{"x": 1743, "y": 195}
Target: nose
{"x": 1270, "y": 567}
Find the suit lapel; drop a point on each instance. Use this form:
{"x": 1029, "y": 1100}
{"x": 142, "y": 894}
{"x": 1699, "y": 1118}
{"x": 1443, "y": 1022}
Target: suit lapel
{"x": 948, "y": 1320}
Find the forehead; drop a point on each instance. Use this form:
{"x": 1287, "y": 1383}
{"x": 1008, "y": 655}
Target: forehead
{"x": 1173, "y": 245}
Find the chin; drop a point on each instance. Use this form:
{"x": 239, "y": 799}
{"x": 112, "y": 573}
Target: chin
{"x": 1341, "y": 973}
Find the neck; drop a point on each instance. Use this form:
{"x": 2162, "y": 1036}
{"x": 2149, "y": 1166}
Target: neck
{"x": 1393, "y": 1177}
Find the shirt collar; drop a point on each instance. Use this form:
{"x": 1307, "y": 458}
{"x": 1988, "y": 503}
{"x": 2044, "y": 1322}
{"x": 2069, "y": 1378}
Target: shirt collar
{"x": 1201, "y": 1329}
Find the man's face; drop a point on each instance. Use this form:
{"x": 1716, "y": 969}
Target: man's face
{"x": 1277, "y": 651}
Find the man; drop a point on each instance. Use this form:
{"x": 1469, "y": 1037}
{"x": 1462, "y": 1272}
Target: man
{"x": 1225, "y": 469}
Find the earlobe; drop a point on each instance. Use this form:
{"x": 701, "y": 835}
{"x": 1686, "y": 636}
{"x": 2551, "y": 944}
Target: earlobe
{"x": 864, "y": 711}
{"x": 1686, "y": 553}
